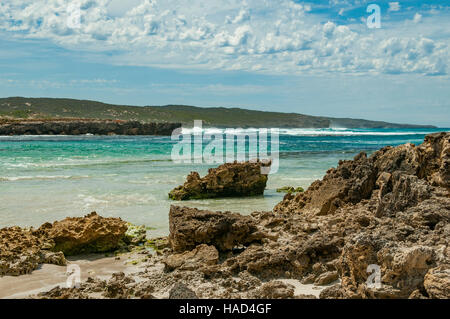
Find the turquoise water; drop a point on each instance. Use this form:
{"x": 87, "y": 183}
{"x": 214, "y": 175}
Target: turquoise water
{"x": 46, "y": 178}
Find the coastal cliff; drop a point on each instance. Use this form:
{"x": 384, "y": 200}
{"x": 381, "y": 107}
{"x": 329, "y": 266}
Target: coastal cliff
{"x": 82, "y": 127}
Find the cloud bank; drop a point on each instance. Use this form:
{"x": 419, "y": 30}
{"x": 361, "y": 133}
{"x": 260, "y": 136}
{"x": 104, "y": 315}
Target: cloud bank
{"x": 267, "y": 36}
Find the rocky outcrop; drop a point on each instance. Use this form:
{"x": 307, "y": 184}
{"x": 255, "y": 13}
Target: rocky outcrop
{"x": 391, "y": 210}
{"x": 401, "y": 176}
{"x": 437, "y": 282}
{"x": 89, "y": 234}
{"x": 190, "y": 227}
{"x": 181, "y": 291}
{"x": 274, "y": 290}
{"x": 202, "y": 255}
{"x": 227, "y": 180}
{"x": 82, "y": 127}
{"x": 350, "y": 182}
{"x": 21, "y": 251}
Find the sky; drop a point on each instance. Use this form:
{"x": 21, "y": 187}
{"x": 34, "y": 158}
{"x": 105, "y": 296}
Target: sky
{"x": 311, "y": 57}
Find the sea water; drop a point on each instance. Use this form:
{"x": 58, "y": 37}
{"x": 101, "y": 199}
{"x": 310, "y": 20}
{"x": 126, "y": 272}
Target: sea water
{"x": 47, "y": 178}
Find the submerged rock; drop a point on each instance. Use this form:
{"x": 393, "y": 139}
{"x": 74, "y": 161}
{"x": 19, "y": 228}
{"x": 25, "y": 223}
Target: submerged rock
{"x": 290, "y": 189}
{"x": 89, "y": 234}
{"x": 227, "y": 180}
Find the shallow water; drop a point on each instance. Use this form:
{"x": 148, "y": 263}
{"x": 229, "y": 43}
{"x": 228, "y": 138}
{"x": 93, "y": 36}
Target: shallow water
{"x": 46, "y": 178}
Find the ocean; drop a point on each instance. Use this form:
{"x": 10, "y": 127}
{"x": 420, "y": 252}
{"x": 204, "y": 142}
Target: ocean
{"x": 47, "y": 178}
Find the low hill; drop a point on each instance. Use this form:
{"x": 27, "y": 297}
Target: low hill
{"x": 51, "y": 108}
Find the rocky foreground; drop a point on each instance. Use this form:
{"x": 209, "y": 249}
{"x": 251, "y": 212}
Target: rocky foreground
{"x": 83, "y": 127}
{"x": 391, "y": 210}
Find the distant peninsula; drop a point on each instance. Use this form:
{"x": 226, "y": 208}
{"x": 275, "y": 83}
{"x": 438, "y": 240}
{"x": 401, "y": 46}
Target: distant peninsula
{"x": 13, "y": 109}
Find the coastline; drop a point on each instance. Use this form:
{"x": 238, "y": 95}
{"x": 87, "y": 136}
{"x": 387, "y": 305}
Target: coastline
{"x": 369, "y": 210}
{"x": 83, "y": 127}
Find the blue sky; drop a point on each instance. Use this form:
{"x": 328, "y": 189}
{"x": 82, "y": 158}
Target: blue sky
{"x": 312, "y": 57}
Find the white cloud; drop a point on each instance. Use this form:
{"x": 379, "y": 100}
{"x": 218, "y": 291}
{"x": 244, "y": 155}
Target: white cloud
{"x": 277, "y": 36}
{"x": 417, "y": 18}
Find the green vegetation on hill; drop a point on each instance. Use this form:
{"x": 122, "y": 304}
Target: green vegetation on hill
{"x": 51, "y": 108}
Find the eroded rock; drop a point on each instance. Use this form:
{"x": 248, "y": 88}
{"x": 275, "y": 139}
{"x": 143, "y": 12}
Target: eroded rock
{"x": 190, "y": 227}
{"x": 89, "y": 234}
{"x": 227, "y": 180}
{"x": 202, "y": 255}
{"x": 437, "y": 282}
{"x": 22, "y": 251}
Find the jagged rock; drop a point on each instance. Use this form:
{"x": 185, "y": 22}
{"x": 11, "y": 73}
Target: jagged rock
{"x": 437, "y": 282}
{"x": 332, "y": 292}
{"x": 118, "y": 286}
{"x": 402, "y": 269}
{"x": 406, "y": 191}
{"x": 227, "y": 180}
{"x": 327, "y": 278}
{"x": 89, "y": 234}
{"x": 350, "y": 182}
{"x": 190, "y": 227}
{"x": 274, "y": 290}
{"x": 21, "y": 251}
{"x": 202, "y": 255}
{"x": 181, "y": 291}
{"x": 404, "y": 174}
{"x": 435, "y": 159}
{"x": 62, "y": 293}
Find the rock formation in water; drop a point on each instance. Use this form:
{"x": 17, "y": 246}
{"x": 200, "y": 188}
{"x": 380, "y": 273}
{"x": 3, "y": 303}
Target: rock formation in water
{"x": 83, "y": 127}
{"x": 227, "y": 180}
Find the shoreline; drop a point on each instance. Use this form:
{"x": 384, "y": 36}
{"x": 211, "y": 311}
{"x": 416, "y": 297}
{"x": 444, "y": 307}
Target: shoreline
{"x": 74, "y": 127}
{"x": 389, "y": 209}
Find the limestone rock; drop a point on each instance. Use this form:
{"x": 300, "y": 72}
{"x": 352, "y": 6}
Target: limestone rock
{"x": 327, "y": 278}
{"x": 202, "y": 255}
{"x": 190, "y": 227}
{"x": 21, "y": 251}
{"x": 181, "y": 291}
{"x": 89, "y": 234}
{"x": 437, "y": 282}
{"x": 275, "y": 290}
{"x": 227, "y": 180}
{"x": 350, "y": 182}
